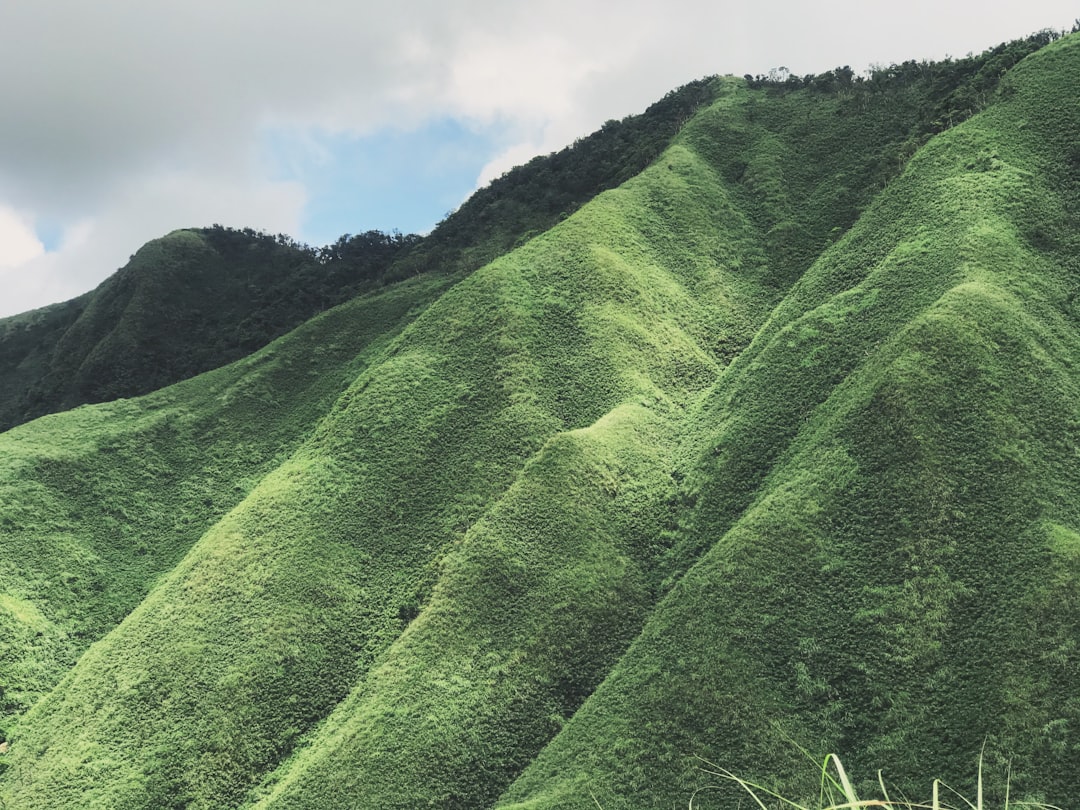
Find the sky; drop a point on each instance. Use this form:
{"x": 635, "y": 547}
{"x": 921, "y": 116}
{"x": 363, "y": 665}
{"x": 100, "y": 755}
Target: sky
{"x": 126, "y": 119}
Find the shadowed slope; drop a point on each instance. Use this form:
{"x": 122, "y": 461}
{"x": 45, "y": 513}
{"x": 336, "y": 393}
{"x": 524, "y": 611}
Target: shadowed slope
{"x": 176, "y": 309}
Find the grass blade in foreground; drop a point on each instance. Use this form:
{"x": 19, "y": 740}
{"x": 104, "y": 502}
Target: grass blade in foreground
{"x": 840, "y": 781}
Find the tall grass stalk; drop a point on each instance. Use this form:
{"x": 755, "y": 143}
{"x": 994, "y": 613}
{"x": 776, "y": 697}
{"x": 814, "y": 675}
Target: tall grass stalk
{"x": 837, "y": 793}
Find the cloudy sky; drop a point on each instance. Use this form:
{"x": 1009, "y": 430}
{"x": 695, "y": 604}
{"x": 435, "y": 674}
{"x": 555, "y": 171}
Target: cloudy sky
{"x": 125, "y": 119}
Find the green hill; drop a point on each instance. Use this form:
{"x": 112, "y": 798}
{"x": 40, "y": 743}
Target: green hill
{"x": 189, "y": 302}
{"x": 773, "y": 445}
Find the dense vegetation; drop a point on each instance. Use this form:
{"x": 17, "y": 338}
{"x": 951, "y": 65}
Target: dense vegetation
{"x": 770, "y": 445}
{"x": 189, "y": 302}
{"x": 529, "y": 199}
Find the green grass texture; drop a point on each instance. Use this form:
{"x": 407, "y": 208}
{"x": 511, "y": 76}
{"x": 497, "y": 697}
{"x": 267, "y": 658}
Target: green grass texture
{"x": 773, "y": 448}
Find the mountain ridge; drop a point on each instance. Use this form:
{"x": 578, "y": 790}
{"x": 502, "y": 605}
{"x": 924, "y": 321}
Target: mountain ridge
{"x": 198, "y": 298}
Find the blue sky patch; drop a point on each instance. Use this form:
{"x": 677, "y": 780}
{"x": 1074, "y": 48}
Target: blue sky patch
{"x": 389, "y": 179}
{"x": 50, "y": 233}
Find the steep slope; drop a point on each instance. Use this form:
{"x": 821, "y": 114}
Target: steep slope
{"x": 697, "y": 471}
{"x": 97, "y": 503}
{"x": 225, "y": 664}
{"x": 433, "y": 724}
{"x": 886, "y": 509}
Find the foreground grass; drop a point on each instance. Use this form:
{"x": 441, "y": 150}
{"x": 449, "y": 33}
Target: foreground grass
{"x": 837, "y": 793}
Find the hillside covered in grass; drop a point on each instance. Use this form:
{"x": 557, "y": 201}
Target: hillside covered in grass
{"x": 769, "y": 443}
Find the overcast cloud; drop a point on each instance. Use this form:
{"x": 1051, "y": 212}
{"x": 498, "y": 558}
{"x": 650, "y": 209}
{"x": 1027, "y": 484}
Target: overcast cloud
{"x": 124, "y": 119}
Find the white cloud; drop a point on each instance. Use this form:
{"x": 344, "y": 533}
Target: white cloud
{"x": 18, "y": 242}
{"x": 92, "y": 248}
{"x": 108, "y": 104}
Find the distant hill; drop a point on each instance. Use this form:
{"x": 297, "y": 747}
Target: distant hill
{"x": 768, "y": 448}
{"x": 186, "y": 303}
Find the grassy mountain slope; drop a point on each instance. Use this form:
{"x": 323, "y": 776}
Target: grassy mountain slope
{"x": 362, "y": 519}
{"x": 768, "y": 443}
{"x": 886, "y": 506}
{"x": 683, "y": 214}
{"x": 364, "y": 757}
{"x": 99, "y": 502}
